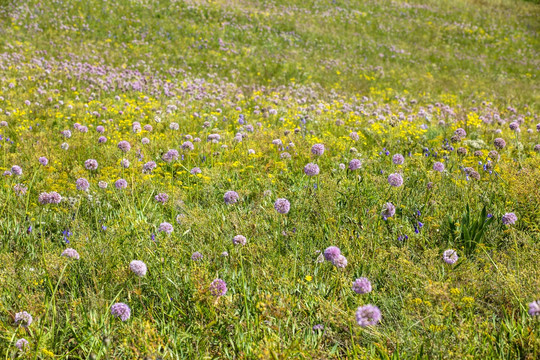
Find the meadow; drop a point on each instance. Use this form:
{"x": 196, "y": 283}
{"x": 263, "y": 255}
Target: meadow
{"x": 243, "y": 179}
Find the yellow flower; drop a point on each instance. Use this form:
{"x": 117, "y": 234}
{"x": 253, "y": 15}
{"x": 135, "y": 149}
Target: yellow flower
{"x": 309, "y": 278}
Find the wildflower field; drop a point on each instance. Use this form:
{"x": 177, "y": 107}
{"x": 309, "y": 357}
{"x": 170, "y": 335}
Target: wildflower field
{"x": 269, "y": 179}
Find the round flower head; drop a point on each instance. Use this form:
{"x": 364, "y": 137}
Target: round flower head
{"x": 462, "y": 151}
{"x": 82, "y": 184}
{"x": 43, "y": 161}
{"x": 218, "y": 287}
{"x": 340, "y": 261}
{"x": 354, "y": 164}
{"x": 121, "y": 184}
{"x": 100, "y": 129}
{"x": 534, "y": 308}
{"x": 286, "y": 155}
{"x": 188, "y": 145}
{"x": 145, "y": 141}
{"x": 121, "y": 311}
{"x": 398, "y": 159}
{"x": 460, "y": 132}
{"x": 493, "y": 155}
{"x": 102, "y": 140}
{"x": 162, "y": 198}
{"x": 332, "y": 252}
{"x": 70, "y": 253}
{"x": 230, "y": 197}
{"x": 102, "y": 184}
{"x": 388, "y": 210}
{"x": 438, "y": 166}
{"x": 395, "y": 180}
{"x": 318, "y": 327}
{"x": 537, "y": 148}
{"x": 165, "y": 227}
{"x": 282, "y": 206}
{"x": 317, "y": 149}
{"x": 195, "y": 171}
{"x": 124, "y": 146}
{"x": 20, "y": 189}
{"x": 450, "y": 256}
{"x": 66, "y": 134}
{"x": 138, "y": 267}
{"x": 54, "y": 197}
{"x": 311, "y": 169}
{"x": 91, "y": 164}
{"x": 514, "y": 125}
{"x": 64, "y": 146}
{"x": 196, "y": 256}
{"x": 23, "y": 318}
{"x": 368, "y": 315}
{"x": 170, "y": 155}
{"x": 149, "y": 166}
{"x": 224, "y": 254}
{"x": 239, "y": 240}
{"x": 361, "y": 286}
{"x": 509, "y": 219}
{"x": 16, "y": 170}
{"x": 354, "y": 135}
{"x": 21, "y": 344}
{"x": 125, "y": 163}
{"x": 43, "y": 198}
{"x": 499, "y": 143}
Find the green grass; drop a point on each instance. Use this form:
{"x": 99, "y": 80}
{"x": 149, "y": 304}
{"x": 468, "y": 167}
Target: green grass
{"x": 403, "y": 75}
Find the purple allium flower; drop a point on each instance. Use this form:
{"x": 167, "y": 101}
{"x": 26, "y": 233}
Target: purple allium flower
{"x": 54, "y": 198}
{"x": 311, "y": 169}
{"x": 368, "y": 315}
{"x": 102, "y": 140}
{"x": 342, "y": 166}
{"x": 509, "y": 219}
{"x": 71, "y": 253}
{"x": 317, "y": 149}
{"x": 174, "y": 126}
{"x": 43, "y": 198}
{"x": 149, "y": 166}
{"x": 91, "y": 164}
{"x": 162, "y": 198}
{"x": 124, "y": 146}
{"x": 239, "y": 240}
{"x": 395, "y": 180}
{"x": 145, "y": 141}
{"x": 124, "y": 163}
{"x": 138, "y": 267}
{"x": 7, "y": 173}
{"x": 218, "y": 287}
{"x": 121, "y": 184}
{"x": 64, "y": 146}
{"x": 251, "y": 152}
{"x": 102, "y": 184}
{"x": 224, "y": 254}
{"x": 460, "y": 132}
{"x": 534, "y": 308}
{"x": 66, "y": 134}
{"x": 43, "y": 161}
{"x": 196, "y": 256}
{"x": 286, "y": 155}
{"x": 332, "y": 252}
{"x": 537, "y": 148}
{"x": 21, "y": 344}
{"x": 398, "y": 159}
{"x": 170, "y": 155}
{"x": 388, "y": 210}
{"x": 23, "y": 318}
{"x": 318, "y": 327}
{"x": 16, "y": 170}
{"x": 188, "y": 145}
{"x": 354, "y": 164}
{"x": 462, "y": 151}
{"x": 100, "y": 129}
{"x": 340, "y": 261}
{"x": 499, "y": 143}
{"x": 514, "y": 125}
{"x": 450, "y": 256}
{"x": 230, "y": 197}
{"x": 361, "y": 286}
{"x": 148, "y": 127}
{"x": 20, "y": 189}
{"x": 282, "y": 206}
{"x": 195, "y": 171}
{"x": 438, "y": 166}
{"x": 82, "y": 184}
{"x": 121, "y": 311}
{"x": 83, "y": 129}
{"x": 354, "y": 135}
{"x": 165, "y": 227}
